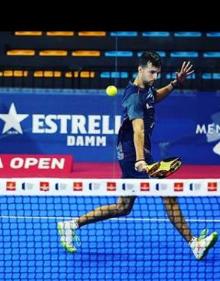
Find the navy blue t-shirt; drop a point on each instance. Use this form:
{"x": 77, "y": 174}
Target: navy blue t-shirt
{"x": 137, "y": 103}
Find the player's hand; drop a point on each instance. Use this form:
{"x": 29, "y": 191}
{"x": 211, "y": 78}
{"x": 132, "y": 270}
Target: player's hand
{"x": 186, "y": 70}
{"x": 141, "y": 166}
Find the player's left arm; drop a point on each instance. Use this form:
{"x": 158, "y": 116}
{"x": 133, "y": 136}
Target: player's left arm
{"x": 181, "y": 76}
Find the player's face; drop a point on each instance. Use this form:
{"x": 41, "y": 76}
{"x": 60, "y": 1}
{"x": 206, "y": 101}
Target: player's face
{"x": 149, "y": 73}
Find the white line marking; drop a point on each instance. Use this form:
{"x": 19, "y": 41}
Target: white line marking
{"x": 118, "y": 219}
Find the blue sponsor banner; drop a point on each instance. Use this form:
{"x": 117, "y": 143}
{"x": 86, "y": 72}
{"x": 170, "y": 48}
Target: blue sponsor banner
{"x": 188, "y": 125}
{"x": 84, "y": 123}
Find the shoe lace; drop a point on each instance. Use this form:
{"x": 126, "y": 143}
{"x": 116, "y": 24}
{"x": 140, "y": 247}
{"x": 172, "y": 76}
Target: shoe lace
{"x": 203, "y": 234}
{"x": 77, "y": 240}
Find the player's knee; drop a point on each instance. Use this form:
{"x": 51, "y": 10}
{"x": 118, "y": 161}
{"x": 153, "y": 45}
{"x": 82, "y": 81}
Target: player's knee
{"x": 123, "y": 209}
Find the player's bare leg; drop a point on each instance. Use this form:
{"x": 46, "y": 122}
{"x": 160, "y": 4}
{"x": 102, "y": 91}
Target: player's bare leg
{"x": 121, "y": 208}
{"x": 176, "y": 217}
{"x": 199, "y": 245}
{"x": 67, "y": 229}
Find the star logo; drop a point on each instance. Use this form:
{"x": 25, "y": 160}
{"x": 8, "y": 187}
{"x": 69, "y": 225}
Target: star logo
{"x": 12, "y": 120}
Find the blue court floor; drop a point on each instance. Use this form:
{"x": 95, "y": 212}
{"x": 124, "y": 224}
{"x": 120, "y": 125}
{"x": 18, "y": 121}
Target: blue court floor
{"x": 142, "y": 246}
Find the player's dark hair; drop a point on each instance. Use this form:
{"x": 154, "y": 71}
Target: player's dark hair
{"x": 150, "y": 56}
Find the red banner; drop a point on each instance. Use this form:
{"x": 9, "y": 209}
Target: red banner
{"x": 35, "y": 165}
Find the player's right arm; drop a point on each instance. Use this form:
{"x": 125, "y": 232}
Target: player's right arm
{"x": 138, "y": 137}
{"x": 136, "y": 115}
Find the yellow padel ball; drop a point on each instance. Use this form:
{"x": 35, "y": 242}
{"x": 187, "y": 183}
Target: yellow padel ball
{"x": 111, "y": 90}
